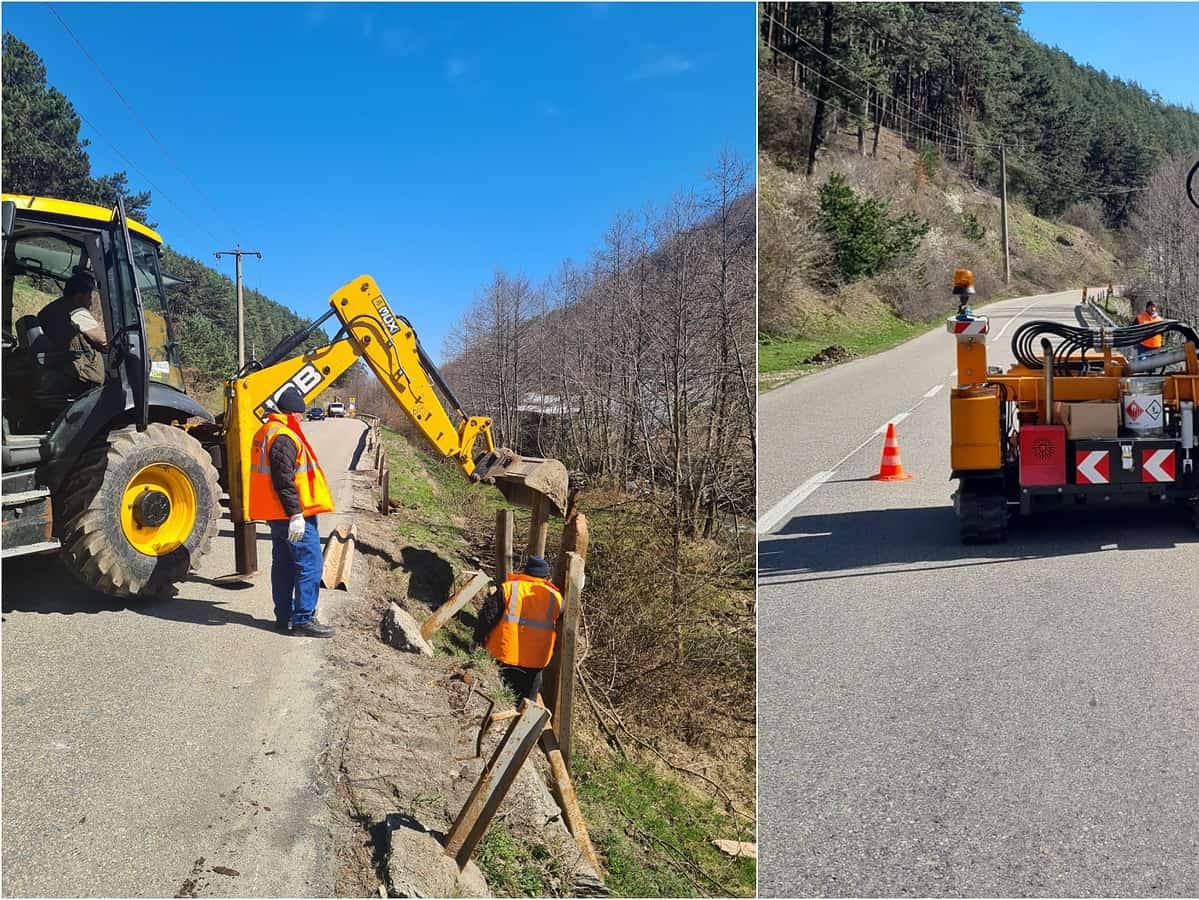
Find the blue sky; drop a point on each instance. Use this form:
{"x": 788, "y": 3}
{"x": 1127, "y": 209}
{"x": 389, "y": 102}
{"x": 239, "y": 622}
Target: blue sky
{"x": 1153, "y": 44}
{"x": 425, "y": 145}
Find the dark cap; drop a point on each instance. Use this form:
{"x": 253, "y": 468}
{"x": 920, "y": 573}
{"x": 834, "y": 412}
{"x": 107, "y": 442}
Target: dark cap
{"x": 79, "y": 283}
{"x": 290, "y": 400}
{"x": 537, "y": 567}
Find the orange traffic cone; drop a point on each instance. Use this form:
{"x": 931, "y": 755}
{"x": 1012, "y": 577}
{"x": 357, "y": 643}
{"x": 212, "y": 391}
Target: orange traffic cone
{"x": 891, "y": 469}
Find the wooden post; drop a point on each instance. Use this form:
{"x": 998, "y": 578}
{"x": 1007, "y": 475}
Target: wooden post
{"x": 538, "y": 527}
{"x": 385, "y": 496}
{"x": 568, "y": 801}
{"x": 1007, "y": 256}
{"x": 558, "y": 686}
{"x": 495, "y": 780}
{"x": 443, "y": 613}
{"x": 503, "y": 544}
{"x": 575, "y": 537}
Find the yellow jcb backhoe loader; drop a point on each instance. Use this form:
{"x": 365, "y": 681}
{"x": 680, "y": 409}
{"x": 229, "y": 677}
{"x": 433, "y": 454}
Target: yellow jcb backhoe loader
{"x": 119, "y": 476}
{"x": 387, "y": 343}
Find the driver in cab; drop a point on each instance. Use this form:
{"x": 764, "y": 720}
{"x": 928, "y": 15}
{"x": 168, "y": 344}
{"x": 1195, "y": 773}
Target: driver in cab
{"x": 73, "y": 331}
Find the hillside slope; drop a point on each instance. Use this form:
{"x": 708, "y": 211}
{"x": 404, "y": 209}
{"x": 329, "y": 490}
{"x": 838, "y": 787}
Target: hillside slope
{"x": 806, "y": 306}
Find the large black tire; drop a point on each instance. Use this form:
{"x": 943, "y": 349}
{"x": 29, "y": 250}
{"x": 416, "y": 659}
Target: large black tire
{"x": 982, "y": 518}
{"x": 96, "y": 547}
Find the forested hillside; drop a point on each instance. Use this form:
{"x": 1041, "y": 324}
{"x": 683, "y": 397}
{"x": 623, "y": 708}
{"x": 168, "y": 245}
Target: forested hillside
{"x": 964, "y": 78}
{"x": 882, "y": 127}
{"x": 43, "y": 154}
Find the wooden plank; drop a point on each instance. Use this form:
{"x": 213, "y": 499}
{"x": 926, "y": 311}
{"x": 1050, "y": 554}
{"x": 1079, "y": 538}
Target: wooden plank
{"x": 564, "y": 652}
{"x": 568, "y": 801}
{"x": 574, "y": 540}
{"x": 449, "y": 609}
{"x": 495, "y": 780}
{"x": 339, "y": 557}
{"x": 504, "y": 526}
{"x": 539, "y": 526}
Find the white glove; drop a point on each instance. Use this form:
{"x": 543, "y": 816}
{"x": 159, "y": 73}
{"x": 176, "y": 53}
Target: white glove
{"x": 295, "y": 529}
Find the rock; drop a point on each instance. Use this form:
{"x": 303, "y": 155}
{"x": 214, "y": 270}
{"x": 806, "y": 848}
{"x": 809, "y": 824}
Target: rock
{"x": 471, "y": 883}
{"x": 1064, "y": 241}
{"x": 418, "y": 867}
{"x": 401, "y": 631}
{"x": 736, "y": 849}
{"x": 834, "y": 353}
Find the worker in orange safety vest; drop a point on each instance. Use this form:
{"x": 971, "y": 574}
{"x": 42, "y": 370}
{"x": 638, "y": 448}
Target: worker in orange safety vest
{"x": 1145, "y": 318}
{"x": 288, "y": 491}
{"x": 518, "y": 625}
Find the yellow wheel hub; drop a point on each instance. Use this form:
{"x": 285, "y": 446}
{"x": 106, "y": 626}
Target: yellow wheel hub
{"x": 158, "y": 509}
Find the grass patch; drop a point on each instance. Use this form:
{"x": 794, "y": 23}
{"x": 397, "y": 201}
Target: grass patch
{"x": 1036, "y": 235}
{"x": 515, "y": 868}
{"x": 778, "y": 355}
{"x": 657, "y": 834}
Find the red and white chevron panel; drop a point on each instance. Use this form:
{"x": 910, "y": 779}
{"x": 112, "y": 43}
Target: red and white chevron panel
{"x": 967, "y": 327}
{"x": 1157, "y": 465}
{"x": 1092, "y": 466}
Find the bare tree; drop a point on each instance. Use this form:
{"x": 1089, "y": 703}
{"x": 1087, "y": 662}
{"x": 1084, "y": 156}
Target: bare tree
{"x": 1166, "y": 227}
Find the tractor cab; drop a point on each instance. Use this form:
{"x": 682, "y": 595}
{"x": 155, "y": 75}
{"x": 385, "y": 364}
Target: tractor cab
{"x": 92, "y": 389}
{"x": 46, "y": 242}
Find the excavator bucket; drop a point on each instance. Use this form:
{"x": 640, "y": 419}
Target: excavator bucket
{"x": 521, "y": 479}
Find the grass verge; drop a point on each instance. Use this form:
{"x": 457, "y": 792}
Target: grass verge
{"x": 657, "y": 834}
{"x": 781, "y": 359}
{"x": 653, "y": 830}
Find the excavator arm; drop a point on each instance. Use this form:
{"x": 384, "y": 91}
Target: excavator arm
{"x": 371, "y": 331}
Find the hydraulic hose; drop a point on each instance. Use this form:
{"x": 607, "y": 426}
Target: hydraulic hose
{"x": 1077, "y": 340}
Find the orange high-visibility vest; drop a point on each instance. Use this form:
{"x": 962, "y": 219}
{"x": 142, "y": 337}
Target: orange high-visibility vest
{"x": 524, "y": 635}
{"x": 310, "y": 480}
{"x": 1153, "y": 343}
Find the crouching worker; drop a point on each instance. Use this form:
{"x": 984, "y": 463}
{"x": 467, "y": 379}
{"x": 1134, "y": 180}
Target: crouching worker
{"x": 518, "y": 625}
{"x": 288, "y": 491}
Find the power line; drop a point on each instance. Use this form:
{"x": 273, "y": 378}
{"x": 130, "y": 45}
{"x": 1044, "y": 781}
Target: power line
{"x": 136, "y": 117}
{"x": 1077, "y": 185}
{"x": 155, "y": 188}
{"x": 894, "y": 115}
{"x": 1094, "y": 189}
{"x": 944, "y": 130}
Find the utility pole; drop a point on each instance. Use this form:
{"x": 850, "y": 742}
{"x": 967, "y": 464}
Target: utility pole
{"x": 237, "y": 254}
{"x": 1007, "y": 259}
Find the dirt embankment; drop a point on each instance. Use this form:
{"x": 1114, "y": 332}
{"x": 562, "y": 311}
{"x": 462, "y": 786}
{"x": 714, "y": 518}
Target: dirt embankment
{"x": 405, "y": 753}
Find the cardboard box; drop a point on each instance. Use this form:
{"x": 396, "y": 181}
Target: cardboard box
{"x": 1095, "y": 420}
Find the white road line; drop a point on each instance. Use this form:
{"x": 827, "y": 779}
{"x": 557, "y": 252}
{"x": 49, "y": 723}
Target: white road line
{"x": 894, "y": 420}
{"x": 777, "y": 513}
{"x": 782, "y": 509}
{"x": 1009, "y": 322}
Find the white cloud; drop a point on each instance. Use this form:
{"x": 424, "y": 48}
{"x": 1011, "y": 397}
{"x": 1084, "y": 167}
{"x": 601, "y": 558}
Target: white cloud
{"x": 660, "y": 65}
{"x": 399, "y": 41}
{"x": 317, "y": 14}
{"x": 456, "y": 68}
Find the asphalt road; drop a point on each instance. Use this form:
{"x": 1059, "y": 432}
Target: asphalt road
{"x": 139, "y": 738}
{"x": 934, "y": 719}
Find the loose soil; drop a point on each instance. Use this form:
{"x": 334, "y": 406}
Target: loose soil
{"x": 407, "y": 725}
